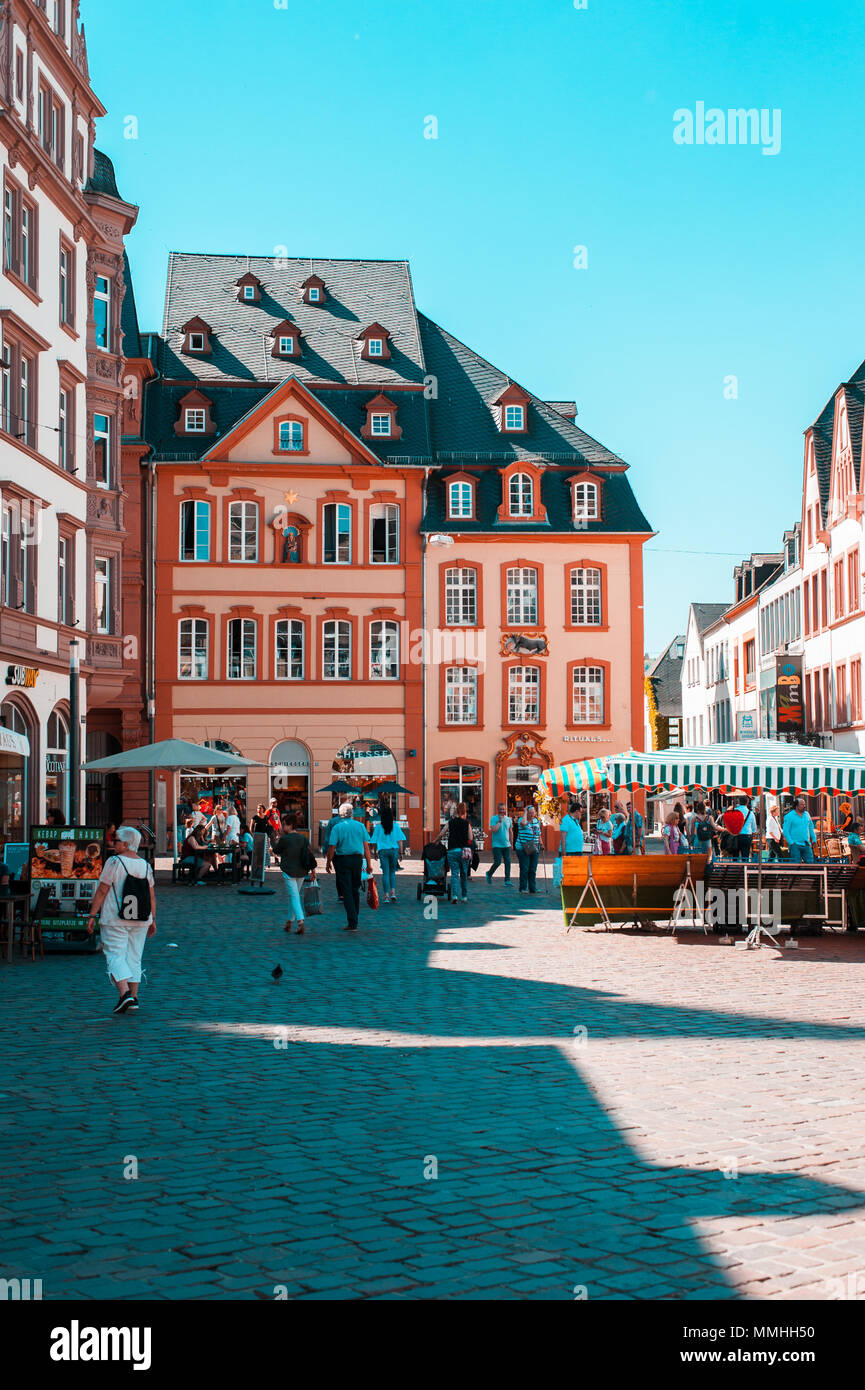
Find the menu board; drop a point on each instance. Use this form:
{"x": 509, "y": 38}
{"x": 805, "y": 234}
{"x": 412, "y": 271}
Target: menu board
{"x": 67, "y": 860}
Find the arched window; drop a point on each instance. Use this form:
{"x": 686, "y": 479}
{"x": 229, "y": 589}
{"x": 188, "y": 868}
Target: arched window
{"x": 460, "y": 500}
{"x": 194, "y": 530}
{"x": 521, "y": 495}
{"x": 384, "y": 651}
{"x": 57, "y": 763}
{"x": 522, "y": 597}
{"x": 586, "y": 605}
{"x": 585, "y": 502}
{"x": 243, "y": 531}
{"x": 192, "y": 654}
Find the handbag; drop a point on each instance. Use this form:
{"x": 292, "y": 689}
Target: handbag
{"x": 557, "y": 871}
{"x": 311, "y": 898}
{"x": 371, "y": 892}
{"x": 467, "y": 854}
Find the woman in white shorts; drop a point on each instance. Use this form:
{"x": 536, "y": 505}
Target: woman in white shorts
{"x": 124, "y": 923}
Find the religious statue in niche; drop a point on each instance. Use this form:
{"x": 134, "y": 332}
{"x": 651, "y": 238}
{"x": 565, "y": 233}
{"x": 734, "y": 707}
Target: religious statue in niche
{"x": 290, "y": 545}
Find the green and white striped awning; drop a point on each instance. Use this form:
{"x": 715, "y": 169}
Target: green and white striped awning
{"x": 751, "y": 765}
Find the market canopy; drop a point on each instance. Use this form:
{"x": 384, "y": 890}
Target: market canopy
{"x": 750, "y": 765}
{"x": 170, "y": 753}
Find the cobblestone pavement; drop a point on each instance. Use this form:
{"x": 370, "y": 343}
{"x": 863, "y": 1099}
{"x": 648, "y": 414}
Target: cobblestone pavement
{"x": 476, "y": 1106}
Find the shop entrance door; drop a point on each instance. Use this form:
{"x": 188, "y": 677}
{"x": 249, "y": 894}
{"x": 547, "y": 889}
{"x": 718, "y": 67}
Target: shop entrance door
{"x": 522, "y": 784}
{"x": 289, "y": 780}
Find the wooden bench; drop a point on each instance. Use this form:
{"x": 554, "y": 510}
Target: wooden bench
{"x": 639, "y": 888}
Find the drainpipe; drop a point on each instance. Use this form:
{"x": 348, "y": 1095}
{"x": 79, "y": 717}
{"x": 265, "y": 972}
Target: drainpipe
{"x": 423, "y": 800}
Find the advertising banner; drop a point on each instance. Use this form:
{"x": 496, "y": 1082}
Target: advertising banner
{"x": 788, "y": 687}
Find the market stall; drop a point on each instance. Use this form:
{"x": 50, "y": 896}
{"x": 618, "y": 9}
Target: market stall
{"x": 757, "y": 767}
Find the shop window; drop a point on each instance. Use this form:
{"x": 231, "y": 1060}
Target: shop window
{"x": 195, "y": 530}
{"x": 241, "y": 652}
{"x": 192, "y": 649}
{"x": 384, "y": 651}
{"x": 290, "y": 653}
{"x": 57, "y": 764}
{"x": 462, "y": 783}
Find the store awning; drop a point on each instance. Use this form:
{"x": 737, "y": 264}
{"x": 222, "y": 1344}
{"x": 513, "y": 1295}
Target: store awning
{"x": 589, "y": 775}
{"x": 11, "y": 742}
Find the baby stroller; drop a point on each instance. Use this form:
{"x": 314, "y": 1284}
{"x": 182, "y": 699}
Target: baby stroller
{"x": 434, "y": 862}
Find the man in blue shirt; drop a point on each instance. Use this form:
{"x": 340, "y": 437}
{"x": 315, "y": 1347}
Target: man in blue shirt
{"x": 571, "y": 837}
{"x": 800, "y": 834}
{"x": 501, "y": 826}
{"x": 347, "y": 844}
{"x": 528, "y": 847}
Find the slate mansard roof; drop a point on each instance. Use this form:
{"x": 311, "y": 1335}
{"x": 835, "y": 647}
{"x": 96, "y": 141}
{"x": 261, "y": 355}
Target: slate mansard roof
{"x": 444, "y": 392}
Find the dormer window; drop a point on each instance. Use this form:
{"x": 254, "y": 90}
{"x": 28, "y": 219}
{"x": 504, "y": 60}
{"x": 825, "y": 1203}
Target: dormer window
{"x": 193, "y": 414}
{"x": 375, "y": 343}
{"x": 380, "y": 420}
{"x": 314, "y": 290}
{"x": 521, "y": 492}
{"x": 461, "y": 497}
{"x": 512, "y": 409}
{"x": 289, "y": 435}
{"x": 286, "y": 339}
{"x": 248, "y": 288}
{"x": 586, "y": 502}
{"x": 196, "y": 336}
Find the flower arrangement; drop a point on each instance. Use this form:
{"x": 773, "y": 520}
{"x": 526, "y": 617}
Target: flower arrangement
{"x": 550, "y": 808}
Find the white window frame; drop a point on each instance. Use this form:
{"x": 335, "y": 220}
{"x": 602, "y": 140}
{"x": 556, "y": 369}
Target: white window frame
{"x": 338, "y": 532}
{"x": 461, "y": 596}
{"x": 461, "y": 694}
{"x": 386, "y": 632}
{"x": 192, "y": 415}
{"x": 515, "y": 418}
{"x": 198, "y": 628}
{"x": 524, "y": 694}
{"x": 465, "y": 509}
{"x": 519, "y": 589}
{"x": 200, "y": 527}
{"x": 375, "y": 347}
{"x": 245, "y": 510}
{"x": 314, "y": 294}
{"x": 388, "y": 512}
{"x": 521, "y": 495}
{"x": 592, "y": 688}
{"x": 587, "y": 592}
{"x": 102, "y": 296}
{"x": 248, "y": 666}
{"x": 100, "y": 433}
{"x": 293, "y": 427}
{"x": 249, "y": 293}
{"x": 286, "y": 345}
{"x": 380, "y": 426}
{"x": 103, "y": 581}
{"x": 287, "y": 629}
{"x": 197, "y": 342}
{"x": 336, "y": 632}
{"x": 586, "y": 506}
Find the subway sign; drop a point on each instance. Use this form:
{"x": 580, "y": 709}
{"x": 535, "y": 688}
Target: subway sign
{"x": 22, "y": 675}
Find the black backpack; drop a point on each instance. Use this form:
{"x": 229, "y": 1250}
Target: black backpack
{"x": 704, "y": 830}
{"x": 133, "y": 904}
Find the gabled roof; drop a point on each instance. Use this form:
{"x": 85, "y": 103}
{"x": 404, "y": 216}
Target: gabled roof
{"x": 359, "y": 293}
{"x": 707, "y": 614}
{"x": 666, "y": 677}
{"x": 291, "y": 390}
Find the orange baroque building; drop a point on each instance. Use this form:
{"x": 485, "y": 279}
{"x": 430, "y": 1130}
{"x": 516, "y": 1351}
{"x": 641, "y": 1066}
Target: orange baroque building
{"x": 378, "y": 558}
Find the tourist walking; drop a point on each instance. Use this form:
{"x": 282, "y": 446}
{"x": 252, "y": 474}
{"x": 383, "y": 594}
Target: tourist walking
{"x": 502, "y": 829}
{"x": 388, "y": 838}
{"x": 638, "y": 839}
{"x": 459, "y": 853}
{"x": 125, "y": 903}
{"x": 348, "y": 845}
{"x": 296, "y": 860}
{"x": 528, "y": 848}
{"x": 749, "y": 829}
{"x": 671, "y": 833}
{"x": 773, "y": 833}
{"x": 703, "y": 831}
{"x": 799, "y": 833}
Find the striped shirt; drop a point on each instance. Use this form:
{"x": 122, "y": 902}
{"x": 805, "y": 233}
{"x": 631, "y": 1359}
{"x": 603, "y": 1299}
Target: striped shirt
{"x": 529, "y": 834}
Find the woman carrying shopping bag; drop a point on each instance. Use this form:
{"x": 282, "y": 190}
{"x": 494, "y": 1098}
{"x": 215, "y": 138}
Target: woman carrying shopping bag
{"x": 388, "y": 839}
{"x": 296, "y": 860}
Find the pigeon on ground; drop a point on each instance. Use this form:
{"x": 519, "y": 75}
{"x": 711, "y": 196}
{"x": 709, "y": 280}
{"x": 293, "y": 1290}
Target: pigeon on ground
{"x": 277, "y": 974}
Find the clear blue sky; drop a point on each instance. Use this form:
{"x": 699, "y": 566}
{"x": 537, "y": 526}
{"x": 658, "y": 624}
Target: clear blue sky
{"x": 304, "y": 127}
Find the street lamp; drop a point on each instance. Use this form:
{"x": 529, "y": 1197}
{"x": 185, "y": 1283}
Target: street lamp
{"x": 74, "y": 734}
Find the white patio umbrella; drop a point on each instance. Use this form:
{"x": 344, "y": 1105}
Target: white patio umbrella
{"x": 170, "y": 755}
